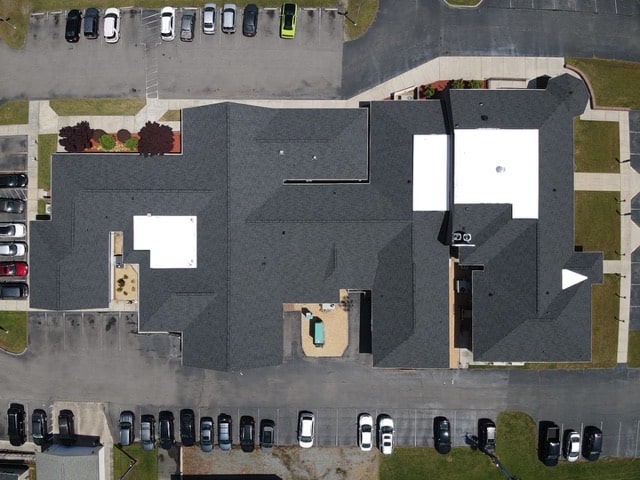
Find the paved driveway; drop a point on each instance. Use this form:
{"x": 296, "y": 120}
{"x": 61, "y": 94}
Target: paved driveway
{"x": 215, "y": 66}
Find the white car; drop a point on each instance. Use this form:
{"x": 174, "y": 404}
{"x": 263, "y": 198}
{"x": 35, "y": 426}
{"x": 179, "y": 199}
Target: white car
{"x": 365, "y": 432}
{"x": 385, "y": 434}
{"x": 305, "y": 429}
{"x": 168, "y": 24}
{"x": 12, "y": 230}
{"x": 17, "y": 249}
{"x": 209, "y": 19}
{"x": 229, "y": 11}
{"x": 111, "y": 25}
{"x": 571, "y": 447}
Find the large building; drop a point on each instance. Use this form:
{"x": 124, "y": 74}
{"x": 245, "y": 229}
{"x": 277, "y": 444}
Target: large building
{"x": 455, "y": 216}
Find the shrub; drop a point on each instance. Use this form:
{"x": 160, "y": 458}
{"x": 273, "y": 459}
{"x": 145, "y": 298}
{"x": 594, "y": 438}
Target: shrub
{"x": 458, "y": 83}
{"x": 97, "y": 134}
{"x": 76, "y": 138}
{"x": 428, "y": 91}
{"x": 132, "y": 144}
{"x": 155, "y": 139}
{"x": 107, "y": 142}
{"x": 123, "y": 135}
{"x": 477, "y": 84}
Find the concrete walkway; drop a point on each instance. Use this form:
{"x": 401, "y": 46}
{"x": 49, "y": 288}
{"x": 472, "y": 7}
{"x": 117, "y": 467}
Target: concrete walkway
{"x": 502, "y": 72}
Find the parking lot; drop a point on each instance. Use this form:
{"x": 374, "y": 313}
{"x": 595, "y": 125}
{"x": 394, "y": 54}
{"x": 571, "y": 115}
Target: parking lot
{"x": 13, "y": 159}
{"x": 212, "y": 66}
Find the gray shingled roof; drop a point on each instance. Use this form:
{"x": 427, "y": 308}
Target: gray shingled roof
{"x": 69, "y": 463}
{"x": 266, "y": 236}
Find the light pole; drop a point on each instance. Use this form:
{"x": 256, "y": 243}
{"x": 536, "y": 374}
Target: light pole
{"x": 345, "y": 14}
{"x": 6, "y": 20}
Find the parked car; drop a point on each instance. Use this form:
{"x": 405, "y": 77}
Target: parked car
{"x": 167, "y": 437}
{"x": 127, "y": 422}
{"x": 13, "y": 269}
{"x": 206, "y": 434}
{"x": 14, "y": 290}
{"x": 187, "y": 25}
{"x": 486, "y": 435}
{"x": 111, "y": 25}
{"x": 15, "y": 421}
{"x": 385, "y": 434}
{"x": 306, "y": 429}
{"x": 14, "y": 249}
{"x": 365, "y": 432}
{"x": 267, "y": 434}
{"x": 209, "y": 19}
{"x": 15, "y": 180}
{"x": 591, "y": 443}
{"x": 72, "y": 28}
{"x": 442, "y": 435}
{"x": 288, "y": 18}
{"x": 11, "y": 205}
{"x": 66, "y": 426}
{"x": 91, "y": 23}
{"x": 148, "y": 432}
{"x": 168, "y": 24}
{"x": 12, "y": 230}
{"x": 250, "y": 20}
{"x": 571, "y": 445}
{"x": 40, "y": 427}
{"x": 225, "y": 438}
{"x": 548, "y": 443}
{"x": 247, "y": 433}
{"x": 229, "y": 18}
{"x": 187, "y": 427}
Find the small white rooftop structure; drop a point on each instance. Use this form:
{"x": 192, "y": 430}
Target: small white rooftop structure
{"x": 171, "y": 240}
{"x": 497, "y": 166}
{"x": 430, "y": 173}
{"x": 571, "y": 278}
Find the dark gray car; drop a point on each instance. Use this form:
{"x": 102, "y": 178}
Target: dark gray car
{"x": 11, "y": 205}
{"x": 127, "y": 421}
{"x": 91, "y": 23}
{"x": 187, "y": 25}
{"x": 206, "y": 434}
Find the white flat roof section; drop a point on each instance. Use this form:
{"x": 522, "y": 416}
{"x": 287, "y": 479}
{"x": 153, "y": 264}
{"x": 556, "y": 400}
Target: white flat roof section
{"x": 430, "y": 173}
{"x": 171, "y": 240}
{"x": 497, "y": 166}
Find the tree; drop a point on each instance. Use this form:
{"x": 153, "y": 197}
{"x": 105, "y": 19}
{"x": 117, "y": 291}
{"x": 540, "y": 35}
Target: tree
{"x": 77, "y": 138}
{"x": 155, "y": 139}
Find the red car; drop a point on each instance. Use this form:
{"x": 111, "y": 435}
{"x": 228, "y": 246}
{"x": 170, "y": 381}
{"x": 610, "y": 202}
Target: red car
{"x": 13, "y": 269}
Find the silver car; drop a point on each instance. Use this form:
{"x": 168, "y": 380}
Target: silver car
{"x": 148, "y": 432}
{"x": 206, "y": 434}
{"x": 127, "y": 422}
{"x": 209, "y": 19}
{"x": 16, "y": 249}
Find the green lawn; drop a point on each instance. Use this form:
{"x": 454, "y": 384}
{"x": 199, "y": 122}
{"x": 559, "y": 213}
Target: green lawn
{"x": 14, "y": 112}
{"x": 516, "y": 448}
{"x": 597, "y": 146}
{"x": 633, "y": 359}
{"x": 597, "y": 226}
{"x": 98, "y": 106}
{"x": 467, "y": 3}
{"x": 47, "y": 146}
{"x": 614, "y": 83}
{"x": 146, "y": 467}
{"x": 13, "y": 334}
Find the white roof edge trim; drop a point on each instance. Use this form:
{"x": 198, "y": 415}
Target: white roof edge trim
{"x": 431, "y": 167}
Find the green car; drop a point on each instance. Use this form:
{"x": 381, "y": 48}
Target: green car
{"x": 288, "y": 14}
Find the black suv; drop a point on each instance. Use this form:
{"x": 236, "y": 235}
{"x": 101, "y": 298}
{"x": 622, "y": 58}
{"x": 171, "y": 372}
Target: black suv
{"x": 247, "y": 433}
{"x": 591, "y": 443}
{"x": 66, "y": 424}
{"x": 442, "y": 435}
{"x": 486, "y": 435}
{"x": 91, "y": 23}
{"x": 39, "y": 427}
{"x": 267, "y": 434}
{"x": 167, "y": 438}
{"x": 16, "y": 416}
{"x": 548, "y": 443}
{"x": 72, "y": 30}
{"x": 187, "y": 427}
